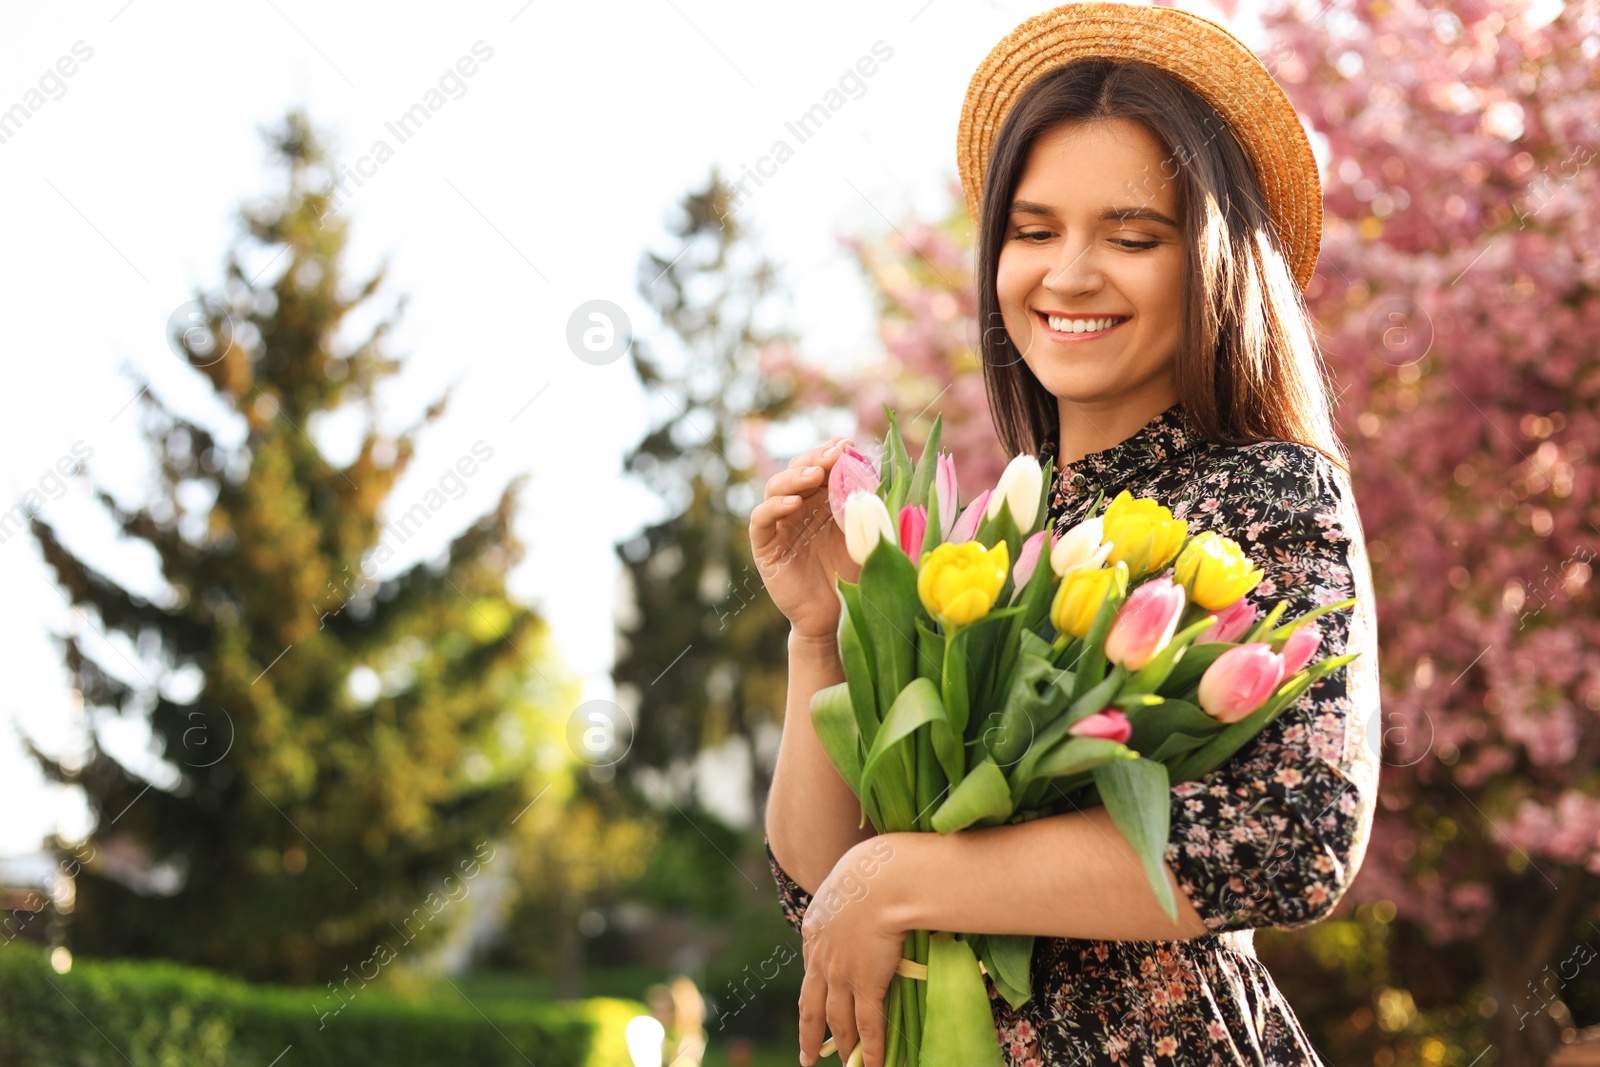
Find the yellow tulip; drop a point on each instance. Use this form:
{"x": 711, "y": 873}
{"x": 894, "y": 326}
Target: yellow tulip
{"x": 1143, "y": 534}
{"x": 1080, "y": 594}
{"x": 1215, "y": 571}
{"x": 960, "y": 583}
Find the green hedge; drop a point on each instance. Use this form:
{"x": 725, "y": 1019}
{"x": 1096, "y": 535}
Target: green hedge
{"x": 154, "y": 1014}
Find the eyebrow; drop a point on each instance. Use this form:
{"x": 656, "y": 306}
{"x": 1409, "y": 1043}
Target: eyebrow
{"x": 1110, "y": 214}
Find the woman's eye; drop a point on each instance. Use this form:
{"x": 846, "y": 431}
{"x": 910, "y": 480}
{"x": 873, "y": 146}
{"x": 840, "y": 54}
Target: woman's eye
{"x": 1031, "y": 235}
{"x": 1140, "y": 245}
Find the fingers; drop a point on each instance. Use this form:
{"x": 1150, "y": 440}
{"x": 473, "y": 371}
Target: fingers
{"x": 842, "y": 1019}
{"x": 764, "y": 518}
{"x": 806, "y": 474}
{"x": 824, "y": 454}
{"x": 797, "y": 480}
{"x": 813, "y": 1012}
{"x": 869, "y": 1025}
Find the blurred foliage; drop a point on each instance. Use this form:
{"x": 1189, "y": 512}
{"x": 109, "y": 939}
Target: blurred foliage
{"x": 702, "y": 647}
{"x": 156, "y": 1014}
{"x": 337, "y": 743}
{"x": 1459, "y": 297}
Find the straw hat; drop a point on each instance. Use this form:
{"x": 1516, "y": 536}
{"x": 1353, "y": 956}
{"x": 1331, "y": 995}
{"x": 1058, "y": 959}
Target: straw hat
{"x": 1201, "y": 54}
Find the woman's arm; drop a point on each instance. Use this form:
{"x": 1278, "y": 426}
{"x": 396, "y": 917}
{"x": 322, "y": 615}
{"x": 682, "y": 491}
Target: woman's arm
{"x": 812, "y": 815}
{"x": 800, "y": 552}
{"x": 1071, "y": 875}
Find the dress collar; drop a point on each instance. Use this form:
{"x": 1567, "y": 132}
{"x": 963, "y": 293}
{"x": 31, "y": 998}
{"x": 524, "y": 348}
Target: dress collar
{"x": 1165, "y": 438}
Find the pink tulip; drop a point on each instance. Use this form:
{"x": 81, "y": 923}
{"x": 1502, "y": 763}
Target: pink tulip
{"x": 1027, "y": 562}
{"x": 913, "y": 525}
{"x": 966, "y": 527}
{"x": 1109, "y": 724}
{"x": 1233, "y": 622}
{"x": 1145, "y": 624}
{"x": 1240, "y": 681}
{"x": 944, "y": 490}
{"x": 851, "y": 471}
{"x": 1302, "y": 644}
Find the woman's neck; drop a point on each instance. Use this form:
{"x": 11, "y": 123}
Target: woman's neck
{"x": 1087, "y": 428}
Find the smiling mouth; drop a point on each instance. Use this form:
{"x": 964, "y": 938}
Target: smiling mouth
{"x": 1105, "y": 324}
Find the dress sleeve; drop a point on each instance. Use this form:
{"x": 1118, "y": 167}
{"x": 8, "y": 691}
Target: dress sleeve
{"x": 791, "y": 898}
{"x": 1275, "y": 836}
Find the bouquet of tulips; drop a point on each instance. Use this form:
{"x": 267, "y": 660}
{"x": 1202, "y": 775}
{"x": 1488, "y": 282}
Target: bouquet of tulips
{"x": 998, "y": 671}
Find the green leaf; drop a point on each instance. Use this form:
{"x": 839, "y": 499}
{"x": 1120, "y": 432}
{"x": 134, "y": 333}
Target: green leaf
{"x": 1137, "y": 797}
{"x": 986, "y": 651}
{"x": 982, "y": 793}
{"x": 1077, "y": 754}
{"x": 1281, "y": 634}
{"x": 1259, "y": 630}
{"x": 930, "y": 653}
{"x": 1173, "y": 745}
{"x": 857, "y": 660}
{"x": 958, "y": 1029}
{"x": 917, "y": 704}
{"x": 1086, "y": 705}
{"x": 954, "y": 687}
{"x": 1034, "y": 645}
{"x": 1036, "y": 697}
{"x": 889, "y": 610}
{"x": 1153, "y": 724}
{"x": 897, "y": 484}
{"x": 1190, "y": 666}
{"x": 931, "y": 781}
{"x": 1036, "y": 595}
{"x": 1009, "y": 961}
{"x": 927, "y": 465}
{"x": 834, "y": 721}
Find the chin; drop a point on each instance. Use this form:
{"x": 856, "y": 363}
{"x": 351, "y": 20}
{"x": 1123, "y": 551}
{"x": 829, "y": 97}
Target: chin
{"x": 1085, "y": 386}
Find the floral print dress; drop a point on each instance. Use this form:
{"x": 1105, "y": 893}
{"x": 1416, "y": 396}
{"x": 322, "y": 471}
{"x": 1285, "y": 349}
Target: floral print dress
{"x": 1271, "y": 838}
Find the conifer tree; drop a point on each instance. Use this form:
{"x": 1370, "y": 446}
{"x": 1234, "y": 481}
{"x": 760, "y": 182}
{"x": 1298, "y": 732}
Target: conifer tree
{"x": 704, "y": 649}
{"x": 344, "y": 735}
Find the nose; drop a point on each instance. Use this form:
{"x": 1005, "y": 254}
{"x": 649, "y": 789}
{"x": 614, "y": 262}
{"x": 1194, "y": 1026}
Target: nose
{"x": 1077, "y": 273}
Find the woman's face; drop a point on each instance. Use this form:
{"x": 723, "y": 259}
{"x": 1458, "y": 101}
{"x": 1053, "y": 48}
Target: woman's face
{"x": 1065, "y": 267}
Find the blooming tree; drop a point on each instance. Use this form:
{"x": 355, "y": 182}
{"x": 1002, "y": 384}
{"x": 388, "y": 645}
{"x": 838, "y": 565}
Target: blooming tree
{"x": 1458, "y": 293}
{"x": 1458, "y": 288}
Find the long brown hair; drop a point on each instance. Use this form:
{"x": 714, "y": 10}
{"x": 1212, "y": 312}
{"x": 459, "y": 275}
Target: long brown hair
{"x": 1248, "y": 365}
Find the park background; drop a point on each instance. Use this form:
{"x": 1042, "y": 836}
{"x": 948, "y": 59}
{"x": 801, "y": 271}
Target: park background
{"x": 240, "y": 758}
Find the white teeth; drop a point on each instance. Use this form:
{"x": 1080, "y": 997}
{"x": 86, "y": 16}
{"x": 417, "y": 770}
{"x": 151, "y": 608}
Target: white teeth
{"x": 1081, "y": 325}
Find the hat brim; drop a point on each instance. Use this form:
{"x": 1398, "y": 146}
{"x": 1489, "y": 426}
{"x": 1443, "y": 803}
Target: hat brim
{"x": 1214, "y": 63}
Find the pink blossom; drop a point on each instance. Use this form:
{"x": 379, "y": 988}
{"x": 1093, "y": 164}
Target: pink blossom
{"x": 1145, "y": 623}
{"x": 966, "y": 527}
{"x": 913, "y": 526}
{"x": 1110, "y": 724}
{"x": 1302, "y": 644}
{"x": 850, "y": 472}
{"x": 1240, "y": 681}
{"x": 1233, "y": 622}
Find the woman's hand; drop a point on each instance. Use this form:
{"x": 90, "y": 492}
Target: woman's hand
{"x": 798, "y": 548}
{"x": 851, "y": 951}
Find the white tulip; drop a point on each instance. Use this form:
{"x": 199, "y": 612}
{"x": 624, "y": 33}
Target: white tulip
{"x": 1080, "y": 547}
{"x": 1020, "y": 485}
{"x": 866, "y": 519}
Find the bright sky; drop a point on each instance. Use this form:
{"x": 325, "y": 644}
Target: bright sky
{"x": 533, "y": 189}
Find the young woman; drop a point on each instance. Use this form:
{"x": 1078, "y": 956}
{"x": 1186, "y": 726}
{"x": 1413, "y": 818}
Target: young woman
{"x": 1142, "y": 252}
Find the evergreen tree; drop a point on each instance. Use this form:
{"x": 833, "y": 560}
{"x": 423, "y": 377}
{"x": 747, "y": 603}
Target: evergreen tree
{"x": 355, "y": 735}
{"x": 704, "y": 649}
